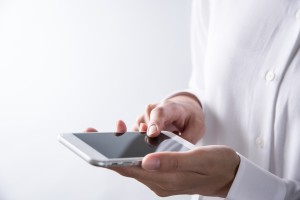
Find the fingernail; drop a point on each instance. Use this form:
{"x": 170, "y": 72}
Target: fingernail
{"x": 151, "y": 164}
{"x": 152, "y": 130}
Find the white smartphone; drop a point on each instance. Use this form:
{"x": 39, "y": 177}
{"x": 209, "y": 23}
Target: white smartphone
{"x": 109, "y": 149}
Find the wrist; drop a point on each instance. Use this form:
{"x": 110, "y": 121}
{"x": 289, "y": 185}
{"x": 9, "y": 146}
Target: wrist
{"x": 235, "y": 166}
{"x": 186, "y": 95}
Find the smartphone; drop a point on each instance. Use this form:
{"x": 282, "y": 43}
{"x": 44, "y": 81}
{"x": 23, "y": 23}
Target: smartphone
{"x": 107, "y": 149}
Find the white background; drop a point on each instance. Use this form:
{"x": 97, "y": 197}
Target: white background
{"x": 68, "y": 64}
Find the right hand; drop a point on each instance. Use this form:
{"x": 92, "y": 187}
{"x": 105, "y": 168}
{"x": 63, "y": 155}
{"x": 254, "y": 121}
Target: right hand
{"x": 180, "y": 114}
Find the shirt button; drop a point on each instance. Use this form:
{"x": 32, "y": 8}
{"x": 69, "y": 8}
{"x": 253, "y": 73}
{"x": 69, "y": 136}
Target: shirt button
{"x": 259, "y": 142}
{"x": 270, "y": 76}
{"x": 298, "y": 14}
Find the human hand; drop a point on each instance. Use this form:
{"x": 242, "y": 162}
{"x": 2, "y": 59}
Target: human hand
{"x": 207, "y": 171}
{"x": 180, "y": 114}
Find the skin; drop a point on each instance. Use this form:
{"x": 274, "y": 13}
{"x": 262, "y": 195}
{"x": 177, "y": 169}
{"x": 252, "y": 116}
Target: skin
{"x": 207, "y": 170}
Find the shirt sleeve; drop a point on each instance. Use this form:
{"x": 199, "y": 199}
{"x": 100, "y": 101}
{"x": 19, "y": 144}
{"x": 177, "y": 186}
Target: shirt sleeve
{"x": 253, "y": 182}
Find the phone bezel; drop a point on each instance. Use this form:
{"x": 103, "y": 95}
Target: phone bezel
{"x": 92, "y": 156}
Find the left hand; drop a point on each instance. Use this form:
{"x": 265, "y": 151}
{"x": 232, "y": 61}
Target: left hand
{"x": 208, "y": 170}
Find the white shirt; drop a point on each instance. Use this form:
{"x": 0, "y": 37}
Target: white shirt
{"x": 246, "y": 73}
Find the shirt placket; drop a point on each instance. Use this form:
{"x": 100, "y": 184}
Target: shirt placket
{"x": 277, "y": 61}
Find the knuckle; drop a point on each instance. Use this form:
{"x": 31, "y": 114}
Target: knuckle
{"x": 174, "y": 164}
{"x": 159, "y": 111}
{"x": 162, "y": 193}
{"x": 149, "y": 107}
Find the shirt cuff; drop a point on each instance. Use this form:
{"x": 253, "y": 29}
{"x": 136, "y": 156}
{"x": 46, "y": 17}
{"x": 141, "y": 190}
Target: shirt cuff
{"x": 252, "y": 182}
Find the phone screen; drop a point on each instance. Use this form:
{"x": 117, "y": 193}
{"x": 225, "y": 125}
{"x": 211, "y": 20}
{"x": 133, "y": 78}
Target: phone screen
{"x": 129, "y": 144}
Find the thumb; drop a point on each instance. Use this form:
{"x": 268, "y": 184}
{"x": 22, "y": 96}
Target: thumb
{"x": 167, "y": 161}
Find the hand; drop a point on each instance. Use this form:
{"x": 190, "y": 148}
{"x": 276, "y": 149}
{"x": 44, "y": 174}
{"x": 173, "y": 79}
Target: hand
{"x": 180, "y": 114}
{"x": 208, "y": 171}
